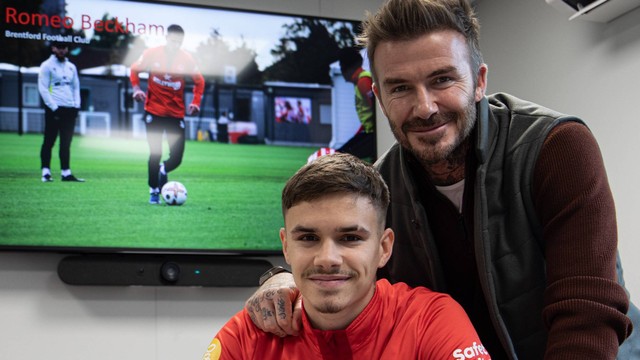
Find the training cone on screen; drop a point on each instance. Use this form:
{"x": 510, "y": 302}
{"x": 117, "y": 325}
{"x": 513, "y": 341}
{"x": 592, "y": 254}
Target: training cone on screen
{"x": 320, "y": 152}
{"x": 174, "y": 193}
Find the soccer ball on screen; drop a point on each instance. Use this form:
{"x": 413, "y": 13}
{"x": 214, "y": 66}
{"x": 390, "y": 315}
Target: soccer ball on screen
{"x": 174, "y": 193}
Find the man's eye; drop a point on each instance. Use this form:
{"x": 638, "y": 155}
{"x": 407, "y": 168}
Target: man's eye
{"x": 398, "y": 89}
{"x": 308, "y": 237}
{"x": 443, "y": 80}
{"x": 351, "y": 238}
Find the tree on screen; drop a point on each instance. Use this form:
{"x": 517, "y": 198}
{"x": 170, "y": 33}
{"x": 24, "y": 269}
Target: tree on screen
{"x": 215, "y": 56}
{"x": 307, "y": 49}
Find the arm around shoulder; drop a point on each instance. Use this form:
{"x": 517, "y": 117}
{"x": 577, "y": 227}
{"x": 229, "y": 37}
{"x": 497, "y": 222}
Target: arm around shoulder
{"x": 276, "y": 306}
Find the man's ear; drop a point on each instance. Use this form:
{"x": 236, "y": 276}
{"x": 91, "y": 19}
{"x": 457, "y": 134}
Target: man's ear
{"x": 481, "y": 82}
{"x": 283, "y": 240}
{"x": 386, "y": 246}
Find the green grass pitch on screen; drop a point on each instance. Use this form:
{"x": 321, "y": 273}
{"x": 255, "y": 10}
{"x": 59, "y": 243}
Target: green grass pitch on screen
{"x": 233, "y": 196}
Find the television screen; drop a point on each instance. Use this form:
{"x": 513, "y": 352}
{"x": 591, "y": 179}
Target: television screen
{"x": 293, "y": 110}
{"x": 274, "y": 78}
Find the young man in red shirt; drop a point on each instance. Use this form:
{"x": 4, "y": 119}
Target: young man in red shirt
{"x": 164, "y": 105}
{"x": 335, "y": 240}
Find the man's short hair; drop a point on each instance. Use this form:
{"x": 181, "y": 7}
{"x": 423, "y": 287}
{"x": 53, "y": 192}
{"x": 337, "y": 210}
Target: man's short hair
{"x": 176, "y": 29}
{"x": 399, "y": 20}
{"x": 338, "y": 173}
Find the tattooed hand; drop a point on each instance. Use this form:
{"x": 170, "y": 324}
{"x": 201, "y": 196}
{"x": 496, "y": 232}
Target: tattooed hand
{"x": 276, "y": 307}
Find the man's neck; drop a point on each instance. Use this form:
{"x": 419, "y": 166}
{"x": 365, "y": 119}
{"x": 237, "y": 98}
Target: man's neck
{"x": 170, "y": 54}
{"x": 450, "y": 170}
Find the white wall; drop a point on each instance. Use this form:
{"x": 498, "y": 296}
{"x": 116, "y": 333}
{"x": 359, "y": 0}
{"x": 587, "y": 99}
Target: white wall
{"x": 582, "y": 68}
{"x": 587, "y": 69}
{"x": 41, "y": 317}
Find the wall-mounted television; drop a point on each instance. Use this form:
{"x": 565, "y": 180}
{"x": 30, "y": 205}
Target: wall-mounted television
{"x": 253, "y": 62}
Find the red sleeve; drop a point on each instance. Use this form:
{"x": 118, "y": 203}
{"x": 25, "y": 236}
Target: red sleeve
{"x": 448, "y": 333}
{"x": 584, "y": 307}
{"x": 234, "y": 341}
{"x": 198, "y": 88}
{"x": 196, "y": 76}
{"x": 137, "y": 67}
{"x": 365, "y": 87}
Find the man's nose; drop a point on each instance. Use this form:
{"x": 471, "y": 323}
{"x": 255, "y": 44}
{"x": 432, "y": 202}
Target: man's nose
{"x": 328, "y": 254}
{"x": 425, "y": 103}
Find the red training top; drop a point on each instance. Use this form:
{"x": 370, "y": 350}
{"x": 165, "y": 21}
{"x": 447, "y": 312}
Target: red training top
{"x": 398, "y": 323}
{"x": 165, "y": 89}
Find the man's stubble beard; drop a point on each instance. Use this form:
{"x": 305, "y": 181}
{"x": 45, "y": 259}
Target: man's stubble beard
{"x": 329, "y": 307}
{"x": 431, "y": 153}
